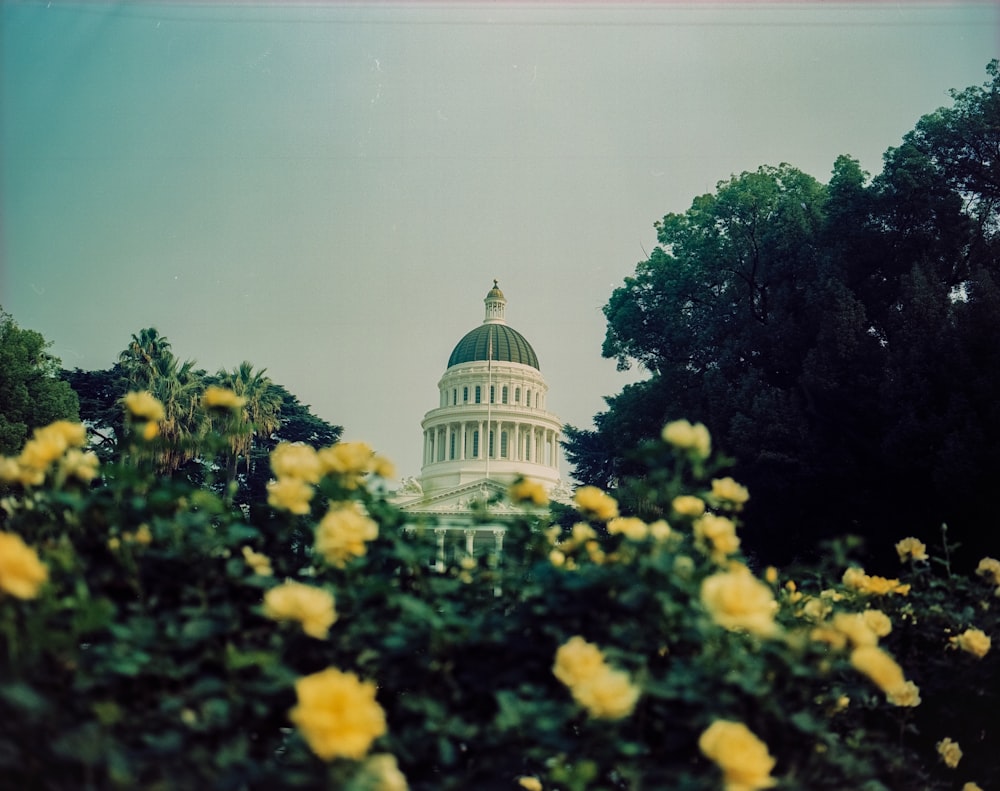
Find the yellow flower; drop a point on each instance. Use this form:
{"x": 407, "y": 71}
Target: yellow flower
{"x": 688, "y": 505}
{"x": 950, "y": 752}
{"x": 21, "y": 572}
{"x": 261, "y": 564}
{"x": 79, "y": 464}
{"x": 911, "y": 549}
{"x": 884, "y": 671}
{"x": 660, "y": 530}
{"x": 720, "y": 532}
{"x": 974, "y": 641}
{"x": 592, "y": 501}
{"x": 971, "y": 787}
{"x": 824, "y": 634}
{"x": 347, "y": 458}
{"x": 727, "y": 489}
{"x": 529, "y": 783}
{"x": 738, "y": 601}
{"x": 337, "y": 714}
{"x": 312, "y": 608}
{"x": 609, "y": 695}
{"x": 216, "y": 397}
{"x": 342, "y": 534}
{"x": 629, "y": 526}
{"x": 380, "y": 773}
{"x": 907, "y": 694}
{"x": 383, "y": 467}
{"x": 771, "y": 575}
{"x": 692, "y": 438}
{"x": 856, "y": 579}
{"x": 49, "y": 443}
{"x": 878, "y": 622}
{"x": 143, "y": 535}
{"x": 557, "y": 557}
{"x": 296, "y": 462}
{"x": 150, "y": 431}
{"x": 855, "y": 628}
{"x": 525, "y": 491}
{"x": 143, "y": 405}
{"x": 606, "y": 693}
{"x": 577, "y": 662}
{"x": 10, "y": 470}
{"x": 744, "y": 759}
{"x": 990, "y": 569}
{"x": 290, "y": 494}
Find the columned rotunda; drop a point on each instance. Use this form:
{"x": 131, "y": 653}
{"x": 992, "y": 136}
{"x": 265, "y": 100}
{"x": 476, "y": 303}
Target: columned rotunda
{"x": 491, "y": 425}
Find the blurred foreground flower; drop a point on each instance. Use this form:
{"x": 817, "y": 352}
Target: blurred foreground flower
{"x": 591, "y": 501}
{"x": 605, "y": 692}
{"x": 343, "y": 534}
{"x": 911, "y": 549}
{"x": 216, "y": 397}
{"x": 337, "y": 714}
{"x": 312, "y": 608}
{"x": 950, "y": 752}
{"x": 21, "y": 572}
{"x": 744, "y": 759}
{"x": 973, "y": 641}
{"x": 738, "y": 601}
{"x": 693, "y": 438}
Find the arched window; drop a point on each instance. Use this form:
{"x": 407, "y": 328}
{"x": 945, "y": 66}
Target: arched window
{"x": 475, "y": 444}
{"x": 479, "y": 394}
{"x": 493, "y": 394}
{"x": 517, "y": 395}
{"x": 527, "y": 398}
{"x": 503, "y": 394}
{"x": 451, "y": 449}
{"x": 492, "y": 452}
{"x": 465, "y": 395}
{"x": 454, "y": 396}
{"x": 503, "y": 444}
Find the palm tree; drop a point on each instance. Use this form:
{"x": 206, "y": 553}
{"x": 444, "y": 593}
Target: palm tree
{"x": 261, "y": 413}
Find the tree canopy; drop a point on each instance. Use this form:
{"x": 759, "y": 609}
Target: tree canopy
{"x": 840, "y": 340}
{"x": 31, "y": 393}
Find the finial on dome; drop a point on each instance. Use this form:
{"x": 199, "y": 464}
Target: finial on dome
{"x": 495, "y": 304}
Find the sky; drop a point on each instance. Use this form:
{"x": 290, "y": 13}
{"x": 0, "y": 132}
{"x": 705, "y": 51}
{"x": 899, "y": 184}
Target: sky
{"x": 328, "y": 190}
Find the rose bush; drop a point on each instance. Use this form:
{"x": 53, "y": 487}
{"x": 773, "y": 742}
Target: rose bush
{"x": 154, "y": 636}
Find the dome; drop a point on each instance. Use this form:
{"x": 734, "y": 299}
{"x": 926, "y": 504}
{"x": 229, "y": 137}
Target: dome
{"x": 508, "y": 345}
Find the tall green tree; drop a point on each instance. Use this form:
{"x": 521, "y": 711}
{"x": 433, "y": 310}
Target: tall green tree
{"x": 839, "y": 340}
{"x": 31, "y": 392}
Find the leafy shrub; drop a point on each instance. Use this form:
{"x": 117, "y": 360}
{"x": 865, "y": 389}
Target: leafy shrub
{"x": 165, "y": 640}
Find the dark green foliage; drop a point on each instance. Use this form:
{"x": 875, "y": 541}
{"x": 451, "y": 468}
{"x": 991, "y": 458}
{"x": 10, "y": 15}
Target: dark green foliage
{"x": 31, "y": 393}
{"x": 839, "y": 341}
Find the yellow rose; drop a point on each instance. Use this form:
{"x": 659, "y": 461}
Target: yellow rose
{"x": 856, "y": 579}
{"x": 738, "y": 601}
{"x": 592, "y": 501}
{"x": 974, "y": 641}
{"x": 290, "y": 494}
{"x": 79, "y": 464}
{"x": 629, "y": 526}
{"x": 347, "y": 458}
{"x": 216, "y": 397}
{"x": 577, "y": 661}
{"x": 383, "y": 467}
{"x": 693, "y": 438}
{"x": 296, "y": 462}
{"x": 855, "y": 628}
{"x": 337, "y": 714}
{"x": 259, "y": 563}
{"x": 718, "y": 531}
{"x": 911, "y": 549}
{"x": 744, "y": 759}
{"x": 342, "y": 534}
{"x": 50, "y": 442}
{"x": 950, "y": 752}
{"x": 312, "y": 608}
{"x": 971, "y": 787}
{"x": 907, "y": 694}
{"x": 21, "y": 572}
{"x": 729, "y": 490}
{"x": 525, "y": 491}
{"x": 660, "y": 530}
{"x": 608, "y": 695}
{"x": 878, "y": 622}
{"x": 143, "y": 405}
{"x": 879, "y": 667}
{"x": 688, "y": 505}
{"x": 529, "y": 783}
{"x": 990, "y": 569}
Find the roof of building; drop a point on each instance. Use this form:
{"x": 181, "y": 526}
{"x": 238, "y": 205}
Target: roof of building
{"x": 494, "y": 342}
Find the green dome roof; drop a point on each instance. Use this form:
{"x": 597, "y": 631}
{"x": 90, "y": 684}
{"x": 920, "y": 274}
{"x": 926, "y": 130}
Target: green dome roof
{"x": 508, "y": 346}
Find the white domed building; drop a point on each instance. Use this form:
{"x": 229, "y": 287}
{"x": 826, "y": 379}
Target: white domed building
{"x": 490, "y": 427}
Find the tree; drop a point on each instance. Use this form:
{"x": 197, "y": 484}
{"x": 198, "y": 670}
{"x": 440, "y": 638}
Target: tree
{"x": 31, "y": 393}
{"x": 840, "y": 341}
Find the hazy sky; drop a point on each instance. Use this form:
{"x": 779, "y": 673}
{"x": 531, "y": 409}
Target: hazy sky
{"x": 328, "y": 190}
